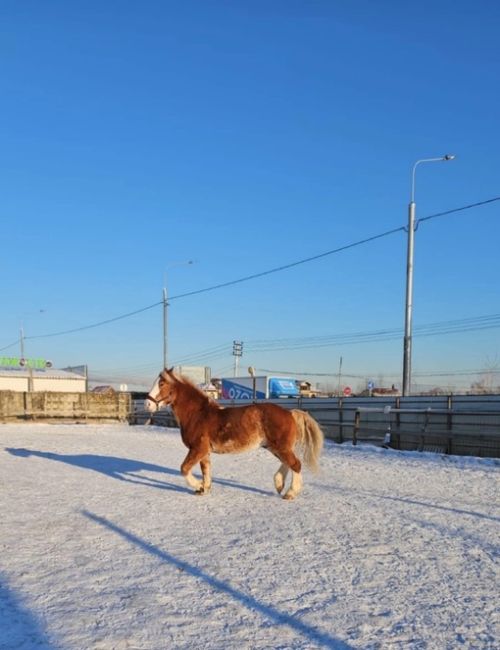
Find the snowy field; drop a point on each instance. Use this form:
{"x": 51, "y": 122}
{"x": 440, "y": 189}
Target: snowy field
{"x": 104, "y": 547}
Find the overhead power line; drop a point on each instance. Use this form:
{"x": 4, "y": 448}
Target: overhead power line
{"x": 430, "y": 329}
{"x": 11, "y": 345}
{"x": 222, "y": 351}
{"x": 260, "y": 274}
{"x": 440, "y": 373}
{"x": 103, "y": 322}
{"x": 464, "y": 207}
{"x": 289, "y": 266}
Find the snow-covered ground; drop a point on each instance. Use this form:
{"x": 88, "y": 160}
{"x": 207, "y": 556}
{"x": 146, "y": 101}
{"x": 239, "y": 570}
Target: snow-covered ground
{"x": 104, "y": 547}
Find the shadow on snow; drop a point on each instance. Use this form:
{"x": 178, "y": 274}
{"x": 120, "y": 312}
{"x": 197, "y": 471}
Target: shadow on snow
{"x": 251, "y": 603}
{"x": 126, "y": 469}
{"x": 405, "y": 500}
{"x": 19, "y": 626}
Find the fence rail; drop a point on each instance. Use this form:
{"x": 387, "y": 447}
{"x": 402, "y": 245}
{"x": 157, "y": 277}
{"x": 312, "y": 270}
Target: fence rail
{"x": 449, "y": 431}
{"x": 58, "y": 406}
{"x": 462, "y": 425}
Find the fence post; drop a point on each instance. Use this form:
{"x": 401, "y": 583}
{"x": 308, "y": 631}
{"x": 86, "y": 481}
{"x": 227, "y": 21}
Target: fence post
{"x": 357, "y": 418}
{"x": 423, "y": 431}
{"x": 398, "y": 423}
{"x": 341, "y": 420}
{"x": 449, "y": 424}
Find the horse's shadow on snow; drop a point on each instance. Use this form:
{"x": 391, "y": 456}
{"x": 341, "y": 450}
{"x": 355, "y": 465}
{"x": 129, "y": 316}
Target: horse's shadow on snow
{"x": 317, "y": 636}
{"x": 126, "y": 469}
{"x": 18, "y": 623}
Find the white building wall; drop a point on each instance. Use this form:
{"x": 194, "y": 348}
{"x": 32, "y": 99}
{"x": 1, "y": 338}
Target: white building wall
{"x": 41, "y": 384}
{"x": 59, "y": 385}
{"x": 18, "y": 384}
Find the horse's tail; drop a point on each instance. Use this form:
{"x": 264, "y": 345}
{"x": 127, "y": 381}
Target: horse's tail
{"x": 309, "y": 438}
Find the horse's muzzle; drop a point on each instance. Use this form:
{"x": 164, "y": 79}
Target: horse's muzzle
{"x": 151, "y": 404}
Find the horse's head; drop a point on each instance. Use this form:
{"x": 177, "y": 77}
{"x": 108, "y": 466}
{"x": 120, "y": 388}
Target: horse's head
{"x": 163, "y": 391}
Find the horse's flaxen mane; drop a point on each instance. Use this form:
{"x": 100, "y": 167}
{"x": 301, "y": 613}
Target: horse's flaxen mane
{"x": 195, "y": 391}
{"x": 187, "y": 383}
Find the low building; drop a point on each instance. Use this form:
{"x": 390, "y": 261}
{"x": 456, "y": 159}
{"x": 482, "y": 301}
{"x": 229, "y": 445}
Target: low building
{"x": 380, "y": 391}
{"x": 35, "y": 375}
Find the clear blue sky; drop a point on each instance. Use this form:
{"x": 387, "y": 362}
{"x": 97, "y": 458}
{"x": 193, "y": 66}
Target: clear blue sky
{"x": 247, "y": 135}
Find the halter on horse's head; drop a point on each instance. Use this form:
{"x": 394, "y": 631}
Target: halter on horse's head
{"x": 162, "y": 392}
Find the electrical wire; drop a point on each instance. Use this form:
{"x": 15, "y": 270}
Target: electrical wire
{"x": 273, "y": 345}
{"x": 103, "y": 322}
{"x": 441, "y": 373}
{"x": 258, "y": 275}
{"x": 465, "y": 207}
{"x": 11, "y": 345}
{"x": 431, "y": 329}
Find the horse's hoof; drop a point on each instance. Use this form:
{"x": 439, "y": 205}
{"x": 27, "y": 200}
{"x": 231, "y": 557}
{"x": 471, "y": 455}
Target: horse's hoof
{"x": 279, "y": 485}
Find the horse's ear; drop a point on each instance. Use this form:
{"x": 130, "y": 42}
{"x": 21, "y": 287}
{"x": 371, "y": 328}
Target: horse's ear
{"x": 168, "y": 374}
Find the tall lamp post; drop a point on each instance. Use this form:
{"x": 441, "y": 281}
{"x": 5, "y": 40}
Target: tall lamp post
{"x": 409, "y": 276}
{"x": 165, "y": 309}
{"x": 21, "y": 344}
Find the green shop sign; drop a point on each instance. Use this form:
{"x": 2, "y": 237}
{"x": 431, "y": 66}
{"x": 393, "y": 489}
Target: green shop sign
{"x": 20, "y": 362}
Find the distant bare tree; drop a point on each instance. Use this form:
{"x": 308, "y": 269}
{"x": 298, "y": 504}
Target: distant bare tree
{"x": 489, "y": 376}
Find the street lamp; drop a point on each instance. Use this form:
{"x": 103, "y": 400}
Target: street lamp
{"x": 22, "y": 338}
{"x": 21, "y": 330}
{"x": 409, "y": 275}
{"x": 165, "y": 308}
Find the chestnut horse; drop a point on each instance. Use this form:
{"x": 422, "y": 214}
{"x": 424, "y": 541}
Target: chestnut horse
{"x": 206, "y": 426}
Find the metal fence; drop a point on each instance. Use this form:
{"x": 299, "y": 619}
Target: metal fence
{"x": 462, "y": 424}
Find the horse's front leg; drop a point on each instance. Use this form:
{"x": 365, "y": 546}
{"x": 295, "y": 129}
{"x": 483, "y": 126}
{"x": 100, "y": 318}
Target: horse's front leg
{"x": 194, "y": 456}
{"x": 206, "y": 466}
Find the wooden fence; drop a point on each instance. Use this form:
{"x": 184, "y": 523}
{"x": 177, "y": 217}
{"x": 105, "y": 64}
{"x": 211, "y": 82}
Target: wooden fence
{"x": 61, "y": 407}
{"x": 458, "y": 425}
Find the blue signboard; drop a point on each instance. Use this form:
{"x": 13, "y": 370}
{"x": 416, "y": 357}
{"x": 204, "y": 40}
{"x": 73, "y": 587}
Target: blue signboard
{"x": 233, "y": 390}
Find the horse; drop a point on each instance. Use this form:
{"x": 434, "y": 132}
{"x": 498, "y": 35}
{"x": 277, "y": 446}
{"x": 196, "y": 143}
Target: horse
{"x": 207, "y": 427}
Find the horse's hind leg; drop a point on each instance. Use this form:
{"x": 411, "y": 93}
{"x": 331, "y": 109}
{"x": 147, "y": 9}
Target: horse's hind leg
{"x": 295, "y": 487}
{"x": 280, "y": 477}
{"x": 206, "y": 484}
{"x": 289, "y": 459}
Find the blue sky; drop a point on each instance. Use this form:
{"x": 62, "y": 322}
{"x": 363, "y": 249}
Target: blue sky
{"x": 247, "y": 136}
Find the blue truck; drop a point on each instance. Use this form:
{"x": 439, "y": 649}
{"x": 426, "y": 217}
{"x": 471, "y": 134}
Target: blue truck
{"x": 265, "y": 387}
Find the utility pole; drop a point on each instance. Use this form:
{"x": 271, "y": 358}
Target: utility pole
{"x": 21, "y": 341}
{"x": 165, "y": 325}
{"x": 25, "y": 362}
{"x": 237, "y": 353}
{"x": 165, "y": 308}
